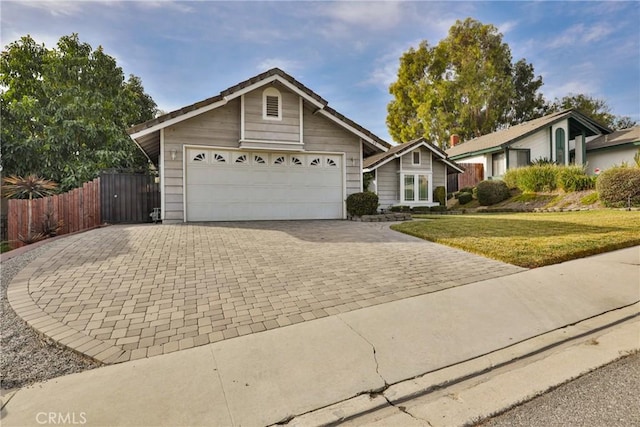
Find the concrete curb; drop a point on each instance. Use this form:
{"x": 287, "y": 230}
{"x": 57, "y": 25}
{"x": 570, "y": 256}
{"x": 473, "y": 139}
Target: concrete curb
{"x": 566, "y": 354}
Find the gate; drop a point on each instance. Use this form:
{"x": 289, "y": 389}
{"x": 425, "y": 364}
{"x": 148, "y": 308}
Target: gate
{"x": 128, "y": 197}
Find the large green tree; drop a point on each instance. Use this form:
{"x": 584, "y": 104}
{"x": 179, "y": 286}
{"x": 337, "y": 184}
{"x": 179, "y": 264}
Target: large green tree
{"x": 65, "y": 112}
{"x": 596, "y": 108}
{"x": 466, "y": 84}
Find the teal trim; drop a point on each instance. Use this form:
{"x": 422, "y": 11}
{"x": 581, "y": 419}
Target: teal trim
{"x": 551, "y": 143}
{"x": 506, "y": 156}
{"x": 584, "y": 148}
{"x": 614, "y": 147}
{"x": 477, "y": 153}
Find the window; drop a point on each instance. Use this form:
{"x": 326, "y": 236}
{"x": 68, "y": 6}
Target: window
{"x": 497, "y": 164}
{"x": 519, "y": 158}
{"x": 200, "y": 157}
{"x": 416, "y": 188}
{"x": 241, "y": 159}
{"x": 423, "y": 188}
{"x": 219, "y": 158}
{"x": 331, "y": 163}
{"x": 258, "y": 159}
{"x": 280, "y": 160}
{"x": 315, "y": 162}
{"x": 271, "y": 104}
{"x": 416, "y": 157}
{"x": 296, "y": 161}
{"x": 560, "y": 147}
{"x": 409, "y": 191}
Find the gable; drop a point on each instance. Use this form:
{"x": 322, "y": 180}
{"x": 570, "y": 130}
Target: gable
{"x": 147, "y": 135}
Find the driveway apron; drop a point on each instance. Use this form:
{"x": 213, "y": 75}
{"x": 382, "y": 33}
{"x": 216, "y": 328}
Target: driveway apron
{"x": 122, "y": 293}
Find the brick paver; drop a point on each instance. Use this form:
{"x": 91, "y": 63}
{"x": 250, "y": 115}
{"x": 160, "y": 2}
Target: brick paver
{"x": 126, "y": 292}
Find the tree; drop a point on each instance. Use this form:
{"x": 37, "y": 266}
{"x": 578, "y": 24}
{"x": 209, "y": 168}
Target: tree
{"x": 596, "y": 108}
{"x": 65, "y": 112}
{"x": 466, "y": 85}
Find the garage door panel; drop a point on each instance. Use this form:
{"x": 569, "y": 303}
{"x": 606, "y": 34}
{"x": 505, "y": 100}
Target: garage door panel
{"x": 230, "y": 191}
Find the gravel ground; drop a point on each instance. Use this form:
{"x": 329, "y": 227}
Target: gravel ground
{"x": 606, "y": 397}
{"x": 26, "y": 357}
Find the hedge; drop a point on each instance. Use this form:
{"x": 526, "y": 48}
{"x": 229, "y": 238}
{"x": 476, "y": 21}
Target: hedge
{"x": 365, "y": 203}
{"x": 440, "y": 195}
{"x": 574, "y": 178}
{"x": 616, "y": 185}
{"x": 492, "y": 192}
{"x": 465, "y": 198}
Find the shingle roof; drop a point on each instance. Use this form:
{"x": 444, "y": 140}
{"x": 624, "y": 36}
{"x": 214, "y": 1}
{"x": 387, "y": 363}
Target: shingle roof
{"x": 376, "y": 160}
{"x": 514, "y": 133}
{"x": 148, "y": 142}
{"x": 620, "y": 137}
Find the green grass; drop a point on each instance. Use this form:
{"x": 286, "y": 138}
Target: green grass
{"x": 589, "y": 199}
{"x": 4, "y": 247}
{"x": 531, "y": 239}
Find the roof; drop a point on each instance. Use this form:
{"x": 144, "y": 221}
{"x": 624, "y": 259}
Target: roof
{"x": 499, "y": 139}
{"x": 620, "y": 137}
{"x": 377, "y": 160}
{"x": 147, "y": 135}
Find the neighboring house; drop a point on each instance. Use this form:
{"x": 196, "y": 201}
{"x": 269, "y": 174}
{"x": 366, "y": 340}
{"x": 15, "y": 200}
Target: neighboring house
{"x": 268, "y": 148}
{"x": 408, "y": 173}
{"x": 553, "y": 137}
{"x": 613, "y": 149}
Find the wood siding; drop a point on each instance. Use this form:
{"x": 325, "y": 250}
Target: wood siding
{"x": 128, "y": 197}
{"x": 439, "y": 175}
{"x": 221, "y": 128}
{"x": 388, "y": 184}
{"x": 320, "y": 134}
{"x": 425, "y": 161}
{"x": 257, "y": 128}
{"x": 218, "y": 128}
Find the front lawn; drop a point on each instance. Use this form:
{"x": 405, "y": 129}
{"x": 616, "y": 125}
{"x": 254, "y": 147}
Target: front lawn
{"x": 531, "y": 239}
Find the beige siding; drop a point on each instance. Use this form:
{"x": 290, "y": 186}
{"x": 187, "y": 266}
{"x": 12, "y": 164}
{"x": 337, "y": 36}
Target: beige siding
{"x": 219, "y": 127}
{"x": 321, "y": 134}
{"x": 439, "y": 175}
{"x": 257, "y": 128}
{"x": 388, "y": 184}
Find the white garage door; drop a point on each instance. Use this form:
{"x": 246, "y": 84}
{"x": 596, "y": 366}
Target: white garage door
{"x": 241, "y": 185}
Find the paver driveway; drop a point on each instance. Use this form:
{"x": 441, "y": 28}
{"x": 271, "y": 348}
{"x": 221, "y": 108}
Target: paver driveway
{"x": 125, "y": 292}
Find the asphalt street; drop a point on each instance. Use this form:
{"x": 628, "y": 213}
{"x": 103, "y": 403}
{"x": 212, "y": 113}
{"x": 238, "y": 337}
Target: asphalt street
{"x": 605, "y": 397}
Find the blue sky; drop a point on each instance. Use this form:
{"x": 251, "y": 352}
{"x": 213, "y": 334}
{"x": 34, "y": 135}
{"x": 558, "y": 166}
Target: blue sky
{"x": 346, "y": 51}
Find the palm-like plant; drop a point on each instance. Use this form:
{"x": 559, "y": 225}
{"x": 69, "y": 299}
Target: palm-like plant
{"x": 29, "y": 187}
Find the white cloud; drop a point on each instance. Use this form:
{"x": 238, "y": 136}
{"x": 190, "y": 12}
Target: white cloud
{"x": 380, "y": 15}
{"x": 178, "y": 6}
{"x": 507, "y": 26}
{"x": 580, "y": 34}
{"x": 57, "y": 8}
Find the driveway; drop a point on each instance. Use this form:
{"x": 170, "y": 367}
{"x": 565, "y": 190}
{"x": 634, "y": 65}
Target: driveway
{"x": 127, "y": 292}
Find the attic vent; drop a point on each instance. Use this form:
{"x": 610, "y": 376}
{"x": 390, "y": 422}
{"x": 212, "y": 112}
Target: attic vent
{"x": 271, "y": 104}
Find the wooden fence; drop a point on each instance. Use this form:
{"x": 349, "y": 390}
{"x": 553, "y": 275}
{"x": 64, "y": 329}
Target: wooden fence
{"x": 473, "y": 174}
{"x": 77, "y": 210}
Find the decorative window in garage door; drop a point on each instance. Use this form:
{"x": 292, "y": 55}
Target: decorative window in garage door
{"x": 240, "y": 158}
{"x": 220, "y": 157}
{"x": 198, "y": 156}
{"x": 258, "y": 160}
{"x": 296, "y": 161}
{"x": 331, "y": 162}
{"x": 279, "y": 160}
{"x": 315, "y": 161}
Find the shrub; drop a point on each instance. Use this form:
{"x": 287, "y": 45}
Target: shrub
{"x": 616, "y": 185}
{"x": 538, "y": 178}
{"x": 365, "y": 203}
{"x": 438, "y": 209}
{"x": 420, "y": 209}
{"x": 574, "y": 178}
{"x": 400, "y": 208}
{"x": 492, "y": 192}
{"x": 440, "y": 195}
{"x": 511, "y": 177}
{"x": 466, "y": 190}
{"x": 465, "y": 198}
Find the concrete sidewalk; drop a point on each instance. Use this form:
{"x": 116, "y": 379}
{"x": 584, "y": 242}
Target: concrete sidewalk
{"x": 265, "y": 378}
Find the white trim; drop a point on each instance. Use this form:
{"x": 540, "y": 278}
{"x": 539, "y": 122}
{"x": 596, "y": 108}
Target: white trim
{"x": 403, "y": 152}
{"x": 352, "y": 129}
{"x": 280, "y": 80}
{"x": 413, "y": 158}
{"x": 344, "y": 185}
{"x": 161, "y": 161}
{"x": 301, "y": 111}
{"x": 273, "y": 93}
{"x": 180, "y": 118}
{"x": 360, "y": 167}
{"x": 241, "y": 117}
{"x": 276, "y": 150}
{"x": 184, "y": 183}
{"x": 416, "y": 189}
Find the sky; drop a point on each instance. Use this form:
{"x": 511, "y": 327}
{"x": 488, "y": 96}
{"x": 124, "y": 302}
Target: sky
{"x": 346, "y": 51}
